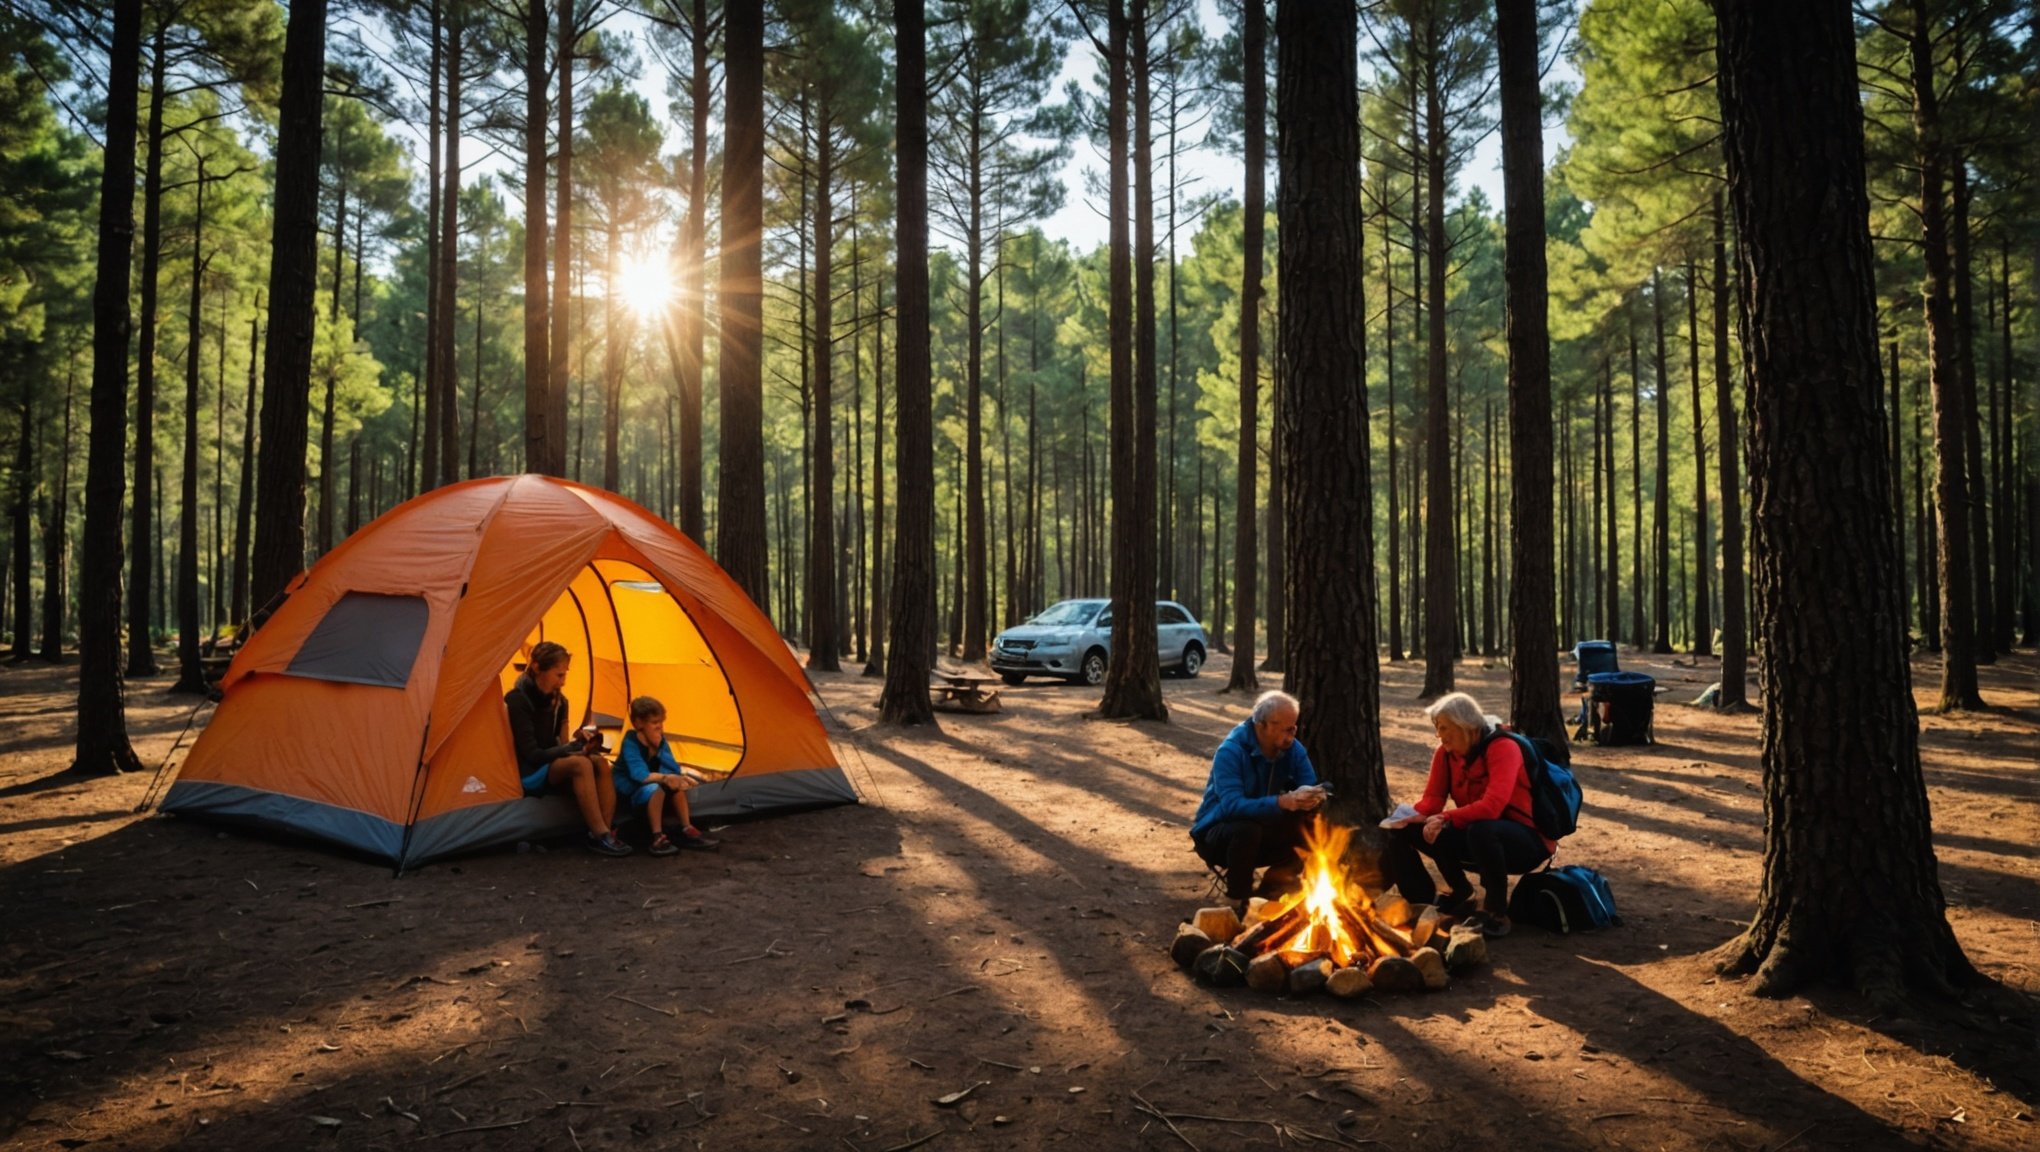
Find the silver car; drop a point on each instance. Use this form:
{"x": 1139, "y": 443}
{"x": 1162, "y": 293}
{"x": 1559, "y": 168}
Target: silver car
{"x": 1073, "y": 640}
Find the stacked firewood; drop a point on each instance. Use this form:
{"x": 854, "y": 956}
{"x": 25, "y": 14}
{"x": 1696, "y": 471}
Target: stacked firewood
{"x": 1286, "y": 946}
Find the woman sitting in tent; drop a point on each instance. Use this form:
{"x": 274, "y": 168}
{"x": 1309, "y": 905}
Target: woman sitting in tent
{"x": 539, "y": 712}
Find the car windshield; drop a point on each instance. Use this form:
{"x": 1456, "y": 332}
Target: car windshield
{"x": 1068, "y": 612}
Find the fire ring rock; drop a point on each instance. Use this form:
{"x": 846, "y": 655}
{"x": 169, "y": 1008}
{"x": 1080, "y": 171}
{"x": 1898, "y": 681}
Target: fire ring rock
{"x": 1308, "y": 978}
{"x": 1220, "y": 966}
{"x": 1189, "y": 944}
{"x": 1347, "y": 983}
{"x": 1395, "y": 974}
{"x": 1466, "y": 948}
{"x": 1432, "y": 965}
{"x": 1218, "y": 923}
{"x": 1267, "y": 973}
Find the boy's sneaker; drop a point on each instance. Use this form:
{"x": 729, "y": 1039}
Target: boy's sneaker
{"x": 691, "y": 837}
{"x": 608, "y": 845}
{"x": 662, "y": 845}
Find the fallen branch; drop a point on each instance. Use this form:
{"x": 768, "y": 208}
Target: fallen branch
{"x": 952, "y": 992}
{"x": 915, "y": 1143}
{"x": 376, "y": 903}
{"x": 642, "y": 1004}
{"x": 1141, "y": 1103}
{"x": 771, "y": 952}
{"x": 478, "y": 1128}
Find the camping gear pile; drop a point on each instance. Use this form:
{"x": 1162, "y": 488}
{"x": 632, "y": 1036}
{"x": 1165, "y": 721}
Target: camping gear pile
{"x": 1329, "y": 934}
{"x": 367, "y": 711}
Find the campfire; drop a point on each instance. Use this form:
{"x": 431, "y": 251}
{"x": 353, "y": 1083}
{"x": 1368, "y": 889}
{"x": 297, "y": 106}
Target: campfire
{"x": 1327, "y": 933}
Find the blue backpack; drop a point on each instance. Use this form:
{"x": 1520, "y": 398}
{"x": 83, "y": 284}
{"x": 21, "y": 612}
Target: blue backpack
{"x": 1554, "y": 794}
{"x": 1572, "y": 898}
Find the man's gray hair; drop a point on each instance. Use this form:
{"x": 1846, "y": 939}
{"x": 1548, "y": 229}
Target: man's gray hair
{"x": 1269, "y": 702}
{"x": 1462, "y": 712}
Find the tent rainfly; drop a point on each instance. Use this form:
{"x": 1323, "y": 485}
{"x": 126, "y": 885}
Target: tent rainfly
{"x": 368, "y": 710}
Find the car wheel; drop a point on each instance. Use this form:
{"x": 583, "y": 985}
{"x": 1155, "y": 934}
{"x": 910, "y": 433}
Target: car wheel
{"x": 1092, "y": 670}
{"x": 1013, "y": 679}
{"x": 1193, "y": 659}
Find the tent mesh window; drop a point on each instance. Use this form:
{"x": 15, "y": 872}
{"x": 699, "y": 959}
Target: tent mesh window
{"x": 365, "y": 638}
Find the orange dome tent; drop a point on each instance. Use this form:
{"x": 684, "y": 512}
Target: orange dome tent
{"x": 368, "y": 710}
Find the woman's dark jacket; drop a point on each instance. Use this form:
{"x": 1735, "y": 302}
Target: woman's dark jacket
{"x": 536, "y": 716}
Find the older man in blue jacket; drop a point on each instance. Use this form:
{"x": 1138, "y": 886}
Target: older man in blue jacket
{"x": 1258, "y": 799}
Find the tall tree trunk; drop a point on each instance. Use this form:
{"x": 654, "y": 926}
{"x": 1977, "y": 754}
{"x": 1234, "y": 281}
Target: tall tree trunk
{"x": 1441, "y": 628}
{"x": 1332, "y": 668}
{"x": 1734, "y": 625}
{"x": 2006, "y": 484}
{"x": 881, "y": 581}
{"x": 1133, "y": 681}
{"x": 1613, "y": 613}
{"x": 324, "y": 536}
{"x": 1841, "y": 761}
{"x": 545, "y": 446}
{"x": 1661, "y": 526}
{"x": 425, "y": 421}
{"x": 142, "y": 538}
{"x": 190, "y": 677}
{"x": 1638, "y": 632}
{"x": 1119, "y": 325}
{"x": 694, "y": 285}
{"x": 1277, "y": 659}
{"x": 974, "y": 544}
{"x": 244, "y": 503}
{"x": 1532, "y": 628}
{"x": 1980, "y": 492}
{"x": 21, "y": 548}
{"x": 740, "y": 516}
{"x": 1959, "y": 689}
{"x": 559, "y": 372}
{"x": 447, "y": 379}
{"x": 102, "y": 707}
{"x": 615, "y": 339}
{"x": 1703, "y": 621}
{"x": 56, "y": 556}
{"x": 1395, "y": 611}
{"x": 822, "y": 638}
{"x": 911, "y": 639}
{"x": 1246, "y": 557}
{"x": 293, "y": 271}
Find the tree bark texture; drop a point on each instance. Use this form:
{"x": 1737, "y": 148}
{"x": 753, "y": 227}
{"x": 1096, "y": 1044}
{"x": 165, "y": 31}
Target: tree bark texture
{"x": 1133, "y": 682}
{"x": 1441, "y": 574}
{"x": 561, "y": 345}
{"x": 1850, "y": 889}
{"x": 447, "y": 379}
{"x": 1532, "y": 625}
{"x": 545, "y": 447}
{"x": 293, "y": 288}
{"x": 822, "y": 589}
{"x": 142, "y": 538}
{"x": 1703, "y": 622}
{"x": 911, "y": 638}
{"x": 190, "y": 677}
{"x": 1734, "y": 616}
{"x": 694, "y": 288}
{"x": 1661, "y": 523}
{"x": 1333, "y": 667}
{"x": 740, "y": 514}
{"x": 1959, "y": 690}
{"x": 103, "y": 746}
{"x": 1246, "y": 554}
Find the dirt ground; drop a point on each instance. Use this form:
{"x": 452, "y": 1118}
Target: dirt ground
{"x": 994, "y": 918}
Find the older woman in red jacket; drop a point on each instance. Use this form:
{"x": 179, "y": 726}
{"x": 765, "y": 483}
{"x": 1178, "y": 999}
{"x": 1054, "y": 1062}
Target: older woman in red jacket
{"x": 1489, "y": 825}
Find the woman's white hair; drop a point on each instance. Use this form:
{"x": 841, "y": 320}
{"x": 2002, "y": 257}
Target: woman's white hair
{"x": 1268, "y": 702}
{"x": 1462, "y": 712}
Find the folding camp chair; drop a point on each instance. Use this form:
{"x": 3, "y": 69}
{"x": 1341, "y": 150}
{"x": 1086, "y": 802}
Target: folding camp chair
{"x": 1592, "y": 657}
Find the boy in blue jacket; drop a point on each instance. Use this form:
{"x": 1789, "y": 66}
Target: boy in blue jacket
{"x": 1258, "y": 799}
{"x": 650, "y": 780}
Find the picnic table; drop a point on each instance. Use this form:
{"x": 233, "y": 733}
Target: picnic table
{"x": 964, "y": 692}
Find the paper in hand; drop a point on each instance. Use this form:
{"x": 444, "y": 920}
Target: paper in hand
{"x": 1403, "y": 814}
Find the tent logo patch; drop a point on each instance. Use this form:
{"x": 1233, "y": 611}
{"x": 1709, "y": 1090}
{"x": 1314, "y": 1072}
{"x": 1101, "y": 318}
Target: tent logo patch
{"x": 474, "y": 785}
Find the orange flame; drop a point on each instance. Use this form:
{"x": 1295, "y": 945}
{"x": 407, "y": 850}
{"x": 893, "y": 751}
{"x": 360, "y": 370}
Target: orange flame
{"x": 1329, "y": 900}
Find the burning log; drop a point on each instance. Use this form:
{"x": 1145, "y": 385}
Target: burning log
{"x": 1329, "y": 933}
